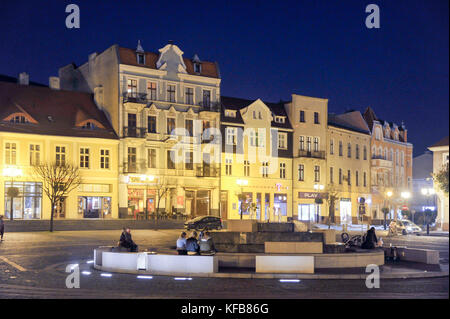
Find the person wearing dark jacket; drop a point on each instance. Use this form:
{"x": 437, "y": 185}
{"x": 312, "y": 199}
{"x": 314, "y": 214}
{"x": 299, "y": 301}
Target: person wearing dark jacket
{"x": 2, "y": 227}
{"x": 371, "y": 240}
{"x": 192, "y": 244}
{"x": 126, "y": 241}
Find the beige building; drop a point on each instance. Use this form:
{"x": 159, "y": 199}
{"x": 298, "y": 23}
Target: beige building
{"x": 348, "y": 166}
{"x": 47, "y": 125}
{"x": 155, "y": 102}
{"x": 440, "y": 161}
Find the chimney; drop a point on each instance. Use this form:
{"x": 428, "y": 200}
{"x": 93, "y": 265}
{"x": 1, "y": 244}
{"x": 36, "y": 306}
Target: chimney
{"x": 24, "y": 78}
{"x": 53, "y": 82}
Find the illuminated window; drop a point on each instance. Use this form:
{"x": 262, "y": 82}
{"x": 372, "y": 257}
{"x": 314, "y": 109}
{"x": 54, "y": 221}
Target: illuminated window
{"x": 10, "y": 153}
{"x": 104, "y": 159}
{"x": 35, "y": 154}
{"x": 84, "y": 157}
{"x": 60, "y": 155}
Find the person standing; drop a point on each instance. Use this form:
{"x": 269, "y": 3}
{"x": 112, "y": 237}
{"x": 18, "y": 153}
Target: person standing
{"x": 2, "y": 227}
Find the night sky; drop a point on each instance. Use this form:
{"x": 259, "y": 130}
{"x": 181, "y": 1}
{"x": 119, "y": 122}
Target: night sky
{"x": 265, "y": 49}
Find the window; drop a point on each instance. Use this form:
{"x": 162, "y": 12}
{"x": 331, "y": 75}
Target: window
{"x": 151, "y": 158}
{"x": 316, "y": 118}
{"x": 132, "y": 159}
{"x": 246, "y": 168}
{"x": 205, "y": 133}
{"x": 19, "y": 119}
{"x": 140, "y": 58}
{"x": 316, "y": 173}
{"x": 349, "y": 178}
{"x": 151, "y": 89}
{"x": 302, "y": 116}
{"x": 402, "y": 159}
{"x": 89, "y": 126}
{"x": 206, "y": 98}
{"x": 35, "y": 154}
{"x": 84, "y": 157}
{"x": 197, "y": 68}
{"x": 331, "y": 146}
{"x": 230, "y": 113}
{"x": 340, "y": 148}
{"x": 349, "y": 150}
{"x": 60, "y": 155}
{"x": 301, "y": 172}
{"x": 189, "y": 161}
{"x": 104, "y": 159}
{"x": 340, "y": 176}
{"x": 331, "y": 175}
{"x": 282, "y": 170}
{"x": 10, "y": 153}
{"x": 356, "y": 178}
{"x": 231, "y": 135}
{"x": 171, "y": 93}
{"x": 279, "y": 119}
{"x": 282, "y": 137}
{"x": 365, "y": 152}
{"x": 170, "y": 157}
{"x": 308, "y": 143}
{"x": 265, "y": 169}
{"x": 132, "y": 87}
{"x": 170, "y": 125}
{"x": 364, "y": 179}
{"x": 189, "y": 125}
{"x": 357, "y": 151}
{"x": 316, "y": 144}
{"x": 151, "y": 124}
{"x": 228, "y": 166}
{"x": 189, "y": 96}
{"x": 302, "y": 143}
{"x": 377, "y": 134}
{"x": 131, "y": 124}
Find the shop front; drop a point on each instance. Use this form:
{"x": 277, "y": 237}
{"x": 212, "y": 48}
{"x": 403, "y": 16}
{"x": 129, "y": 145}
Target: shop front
{"x": 94, "y": 207}
{"x": 308, "y": 209}
{"x": 345, "y": 210}
{"x": 26, "y": 200}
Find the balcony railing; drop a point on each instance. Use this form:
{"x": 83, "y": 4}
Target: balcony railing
{"x": 135, "y": 98}
{"x": 139, "y": 132}
{"x": 144, "y": 98}
{"x": 211, "y": 106}
{"x": 312, "y": 154}
{"x": 207, "y": 171}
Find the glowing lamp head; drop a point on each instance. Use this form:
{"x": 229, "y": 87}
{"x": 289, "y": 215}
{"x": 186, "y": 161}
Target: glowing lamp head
{"x": 12, "y": 172}
{"x": 389, "y": 193}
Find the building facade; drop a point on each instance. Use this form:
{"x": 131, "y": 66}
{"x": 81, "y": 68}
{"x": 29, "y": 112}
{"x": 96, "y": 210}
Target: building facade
{"x": 423, "y": 195}
{"x": 156, "y": 101}
{"x": 45, "y": 125}
{"x": 391, "y": 171}
{"x": 441, "y": 161}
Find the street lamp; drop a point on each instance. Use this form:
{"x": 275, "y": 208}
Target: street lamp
{"x": 389, "y": 195}
{"x": 318, "y": 187}
{"x": 146, "y": 179}
{"x": 242, "y": 183}
{"x": 12, "y": 172}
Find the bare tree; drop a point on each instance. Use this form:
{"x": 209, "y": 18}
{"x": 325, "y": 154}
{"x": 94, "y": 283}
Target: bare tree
{"x": 58, "y": 181}
{"x": 162, "y": 188}
{"x": 332, "y": 195}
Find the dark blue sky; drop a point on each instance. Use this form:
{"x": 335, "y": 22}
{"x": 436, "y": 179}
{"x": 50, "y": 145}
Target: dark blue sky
{"x": 265, "y": 49}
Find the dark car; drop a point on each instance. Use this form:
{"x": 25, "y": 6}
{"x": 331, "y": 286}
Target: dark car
{"x": 204, "y": 222}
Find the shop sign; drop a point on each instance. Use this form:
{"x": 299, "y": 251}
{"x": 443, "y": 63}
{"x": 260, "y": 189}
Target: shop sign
{"x": 180, "y": 200}
{"x": 311, "y": 195}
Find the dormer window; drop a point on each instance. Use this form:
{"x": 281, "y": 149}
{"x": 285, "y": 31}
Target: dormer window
{"x": 89, "y": 126}
{"x": 197, "y": 68}
{"x": 230, "y": 113}
{"x": 140, "y": 58}
{"x": 280, "y": 119}
{"x": 19, "y": 119}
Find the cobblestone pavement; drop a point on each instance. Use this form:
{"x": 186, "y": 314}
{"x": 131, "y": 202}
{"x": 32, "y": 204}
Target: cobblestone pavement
{"x": 32, "y": 265}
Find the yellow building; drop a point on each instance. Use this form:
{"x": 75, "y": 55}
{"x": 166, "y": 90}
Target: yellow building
{"x": 348, "y": 165}
{"x": 47, "y": 125}
{"x": 256, "y": 169}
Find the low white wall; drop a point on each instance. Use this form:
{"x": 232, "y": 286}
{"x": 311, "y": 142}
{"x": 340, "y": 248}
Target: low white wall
{"x": 285, "y": 264}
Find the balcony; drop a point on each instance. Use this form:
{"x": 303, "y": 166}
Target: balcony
{"x": 137, "y": 132}
{"x": 380, "y": 162}
{"x": 209, "y": 107}
{"x": 207, "y": 171}
{"x": 135, "y": 98}
{"x": 312, "y": 154}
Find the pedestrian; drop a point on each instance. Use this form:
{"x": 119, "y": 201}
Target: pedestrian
{"x": 181, "y": 244}
{"x": 126, "y": 240}
{"x": 393, "y": 228}
{"x": 371, "y": 240}
{"x": 207, "y": 245}
{"x": 2, "y": 227}
{"x": 192, "y": 244}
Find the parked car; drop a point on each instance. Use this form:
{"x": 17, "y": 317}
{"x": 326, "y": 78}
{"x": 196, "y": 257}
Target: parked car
{"x": 204, "y": 222}
{"x": 405, "y": 227}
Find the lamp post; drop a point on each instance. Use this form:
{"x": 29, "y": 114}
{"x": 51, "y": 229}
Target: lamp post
{"x": 12, "y": 172}
{"x": 146, "y": 179}
{"x": 428, "y": 192}
{"x": 241, "y": 183}
{"x": 389, "y": 195}
{"x": 318, "y": 187}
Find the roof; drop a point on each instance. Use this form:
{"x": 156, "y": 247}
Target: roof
{"x": 234, "y": 103}
{"x": 442, "y": 142}
{"x": 128, "y": 56}
{"x": 370, "y": 117}
{"x": 53, "y": 112}
{"x": 11, "y": 79}
{"x": 352, "y": 121}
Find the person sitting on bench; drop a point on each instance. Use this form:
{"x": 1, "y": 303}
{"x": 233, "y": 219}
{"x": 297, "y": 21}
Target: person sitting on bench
{"x": 126, "y": 241}
{"x": 192, "y": 244}
{"x": 207, "y": 245}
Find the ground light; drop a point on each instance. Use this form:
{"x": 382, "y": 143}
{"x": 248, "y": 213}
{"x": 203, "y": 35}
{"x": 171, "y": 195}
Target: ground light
{"x": 289, "y": 280}
{"x": 182, "y": 278}
{"x": 106, "y": 275}
{"x": 90, "y": 262}
{"x": 87, "y": 273}
{"x": 144, "y": 277}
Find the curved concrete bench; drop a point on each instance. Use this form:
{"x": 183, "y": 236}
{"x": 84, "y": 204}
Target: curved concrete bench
{"x": 107, "y": 260}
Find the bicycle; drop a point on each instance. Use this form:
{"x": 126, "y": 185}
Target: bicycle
{"x": 354, "y": 241}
